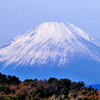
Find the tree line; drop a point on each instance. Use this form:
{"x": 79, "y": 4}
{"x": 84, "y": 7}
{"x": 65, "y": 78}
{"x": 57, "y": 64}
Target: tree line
{"x": 11, "y": 88}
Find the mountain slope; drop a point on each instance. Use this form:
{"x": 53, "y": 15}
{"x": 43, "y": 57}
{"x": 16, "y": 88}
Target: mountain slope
{"x": 52, "y": 49}
{"x": 50, "y": 41}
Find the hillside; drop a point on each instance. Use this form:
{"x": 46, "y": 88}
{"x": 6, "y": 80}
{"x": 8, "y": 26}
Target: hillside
{"x": 63, "y": 89}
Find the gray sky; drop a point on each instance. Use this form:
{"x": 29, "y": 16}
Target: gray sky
{"x": 17, "y": 16}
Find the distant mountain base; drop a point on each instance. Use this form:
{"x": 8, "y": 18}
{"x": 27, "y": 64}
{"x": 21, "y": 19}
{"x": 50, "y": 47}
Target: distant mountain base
{"x": 96, "y": 86}
{"x": 77, "y": 70}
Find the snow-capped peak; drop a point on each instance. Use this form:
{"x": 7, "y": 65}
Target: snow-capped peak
{"x": 48, "y": 41}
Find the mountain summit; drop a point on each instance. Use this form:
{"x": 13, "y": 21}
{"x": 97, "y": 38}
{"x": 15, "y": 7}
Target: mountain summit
{"x": 50, "y": 41}
{"x": 52, "y": 49}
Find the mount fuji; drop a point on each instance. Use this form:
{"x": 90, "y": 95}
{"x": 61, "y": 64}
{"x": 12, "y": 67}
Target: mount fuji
{"x": 53, "y": 49}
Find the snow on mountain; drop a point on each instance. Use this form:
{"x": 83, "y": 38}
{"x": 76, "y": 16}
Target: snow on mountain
{"x": 50, "y": 40}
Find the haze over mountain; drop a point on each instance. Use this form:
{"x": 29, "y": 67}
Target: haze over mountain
{"x": 54, "y": 44}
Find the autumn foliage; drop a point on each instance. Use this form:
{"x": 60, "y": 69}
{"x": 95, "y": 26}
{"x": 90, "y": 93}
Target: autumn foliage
{"x": 11, "y": 88}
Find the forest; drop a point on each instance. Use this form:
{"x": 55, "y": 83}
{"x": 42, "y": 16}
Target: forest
{"x": 11, "y": 88}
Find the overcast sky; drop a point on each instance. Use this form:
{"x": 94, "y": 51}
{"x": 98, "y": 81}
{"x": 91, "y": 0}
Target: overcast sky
{"x": 17, "y": 16}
